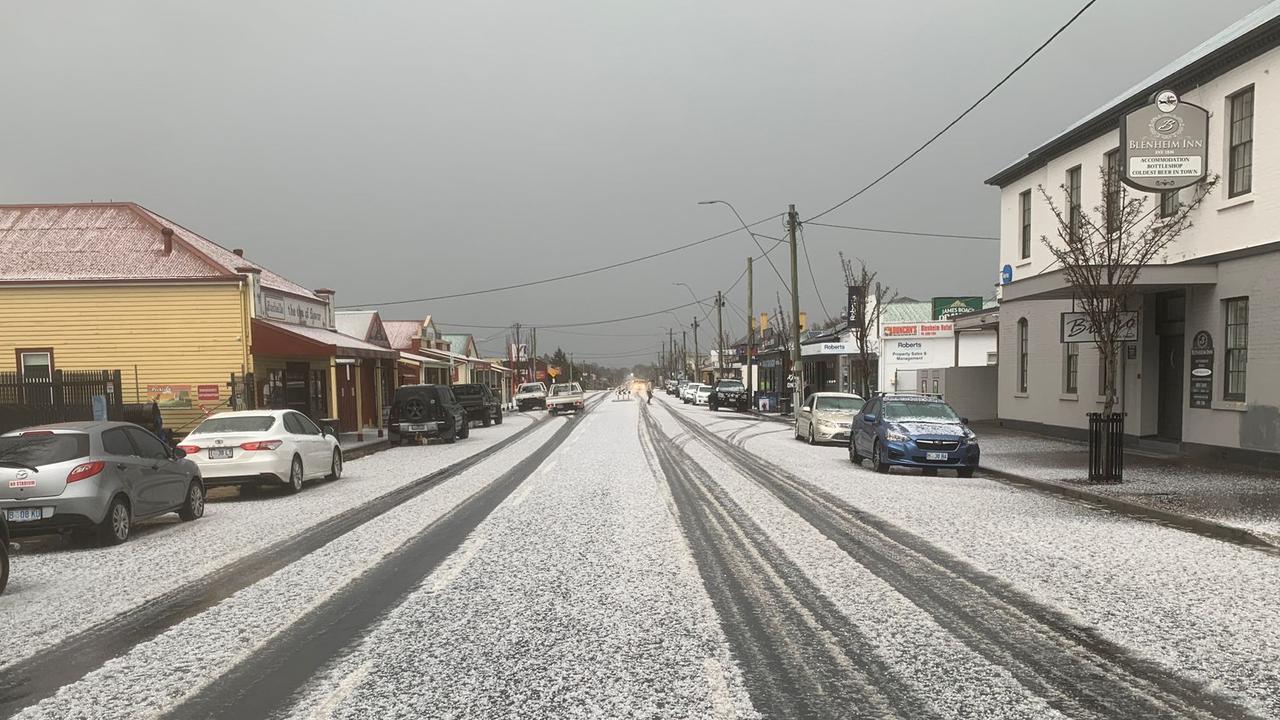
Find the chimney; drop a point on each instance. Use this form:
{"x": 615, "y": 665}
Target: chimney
{"x": 238, "y": 252}
{"x": 167, "y": 233}
{"x": 327, "y": 295}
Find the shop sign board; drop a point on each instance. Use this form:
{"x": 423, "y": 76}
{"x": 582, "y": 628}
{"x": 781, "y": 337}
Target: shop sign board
{"x": 910, "y": 353}
{"x": 284, "y": 308}
{"x": 917, "y": 330}
{"x": 1202, "y": 370}
{"x": 828, "y": 348}
{"x": 170, "y": 396}
{"x": 1077, "y": 329}
{"x": 945, "y": 308}
{"x": 208, "y": 392}
{"x": 1163, "y": 145}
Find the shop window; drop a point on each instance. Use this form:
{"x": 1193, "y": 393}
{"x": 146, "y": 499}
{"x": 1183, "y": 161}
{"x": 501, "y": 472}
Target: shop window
{"x": 1237, "y": 348}
{"x": 272, "y": 394}
{"x": 1169, "y": 203}
{"x": 319, "y": 394}
{"x": 1023, "y": 357}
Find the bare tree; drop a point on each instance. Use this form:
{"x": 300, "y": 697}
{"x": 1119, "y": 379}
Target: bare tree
{"x": 1102, "y": 253}
{"x": 865, "y": 321}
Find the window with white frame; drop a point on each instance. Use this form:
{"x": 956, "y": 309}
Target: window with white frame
{"x": 1023, "y": 356}
{"x": 1240, "y": 152}
{"x": 1071, "y": 368}
{"x": 1237, "y": 347}
{"x": 1024, "y": 212}
{"x": 1073, "y": 201}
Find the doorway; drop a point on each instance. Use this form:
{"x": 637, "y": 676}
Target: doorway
{"x": 1170, "y": 316}
{"x": 347, "y": 420}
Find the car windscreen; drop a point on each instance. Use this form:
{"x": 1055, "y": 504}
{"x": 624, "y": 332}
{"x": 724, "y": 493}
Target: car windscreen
{"x": 466, "y": 390}
{"x": 919, "y": 411}
{"x": 36, "y": 450}
{"x": 731, "y": 385}
{"x": 235, "y": 424}
{"x": 563, "y": 389}
{"x": 839, "y": 404}
{"x": 530, "y": 387}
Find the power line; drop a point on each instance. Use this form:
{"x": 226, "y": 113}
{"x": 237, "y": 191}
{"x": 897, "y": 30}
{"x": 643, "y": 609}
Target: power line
{"x": 904, "y": 232}
{"x": 568, "y": 276}
{"x": 816, "y": 290}
{"x": 960, "y": 117}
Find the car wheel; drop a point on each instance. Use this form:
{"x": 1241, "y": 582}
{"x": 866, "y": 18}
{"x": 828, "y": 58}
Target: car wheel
{"x": 487, "y": 421}
{"x": 4, "y": 568}
{"x": 877, "y": 458}
{"x": 450, "y": 437}
{"x": 797, "y": 431}
{"x": 193, "y": 507}
{"x": 497, "y": 420}
{"x": 116, "y": 526}
{"x": 335, "y": 469}
{"x": 465, "y": 431}
{"x": 965, "y": 472}
{"x": 711, "y": 407}
{"x": 295, "y": 476}
{"x": 812, "y": 440}
{"x": 854, "y": 457}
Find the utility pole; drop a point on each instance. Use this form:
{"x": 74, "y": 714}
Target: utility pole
{"x": 697, "y": 363}
{"x": 793, "y": 222}
{"x": 684, "y": 351}
{"x": 671, "y": 358}
{"x": 751, "y": 336}
{"x": 570, "y": 367}
{"x": 533, "y": 355}
{"x": 516, "y": 364}
{"x": 720, "y": 332}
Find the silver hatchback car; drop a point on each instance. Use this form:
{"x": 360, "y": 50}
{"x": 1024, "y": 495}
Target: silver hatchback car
{"x": 93, "y": 479}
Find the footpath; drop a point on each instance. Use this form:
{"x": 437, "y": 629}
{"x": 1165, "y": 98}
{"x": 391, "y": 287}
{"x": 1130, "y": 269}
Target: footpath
{"x": 1230, "y": 503}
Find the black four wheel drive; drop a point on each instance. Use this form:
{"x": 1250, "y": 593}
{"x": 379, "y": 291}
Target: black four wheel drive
{"x": 419, "y": 411}
{"x": 728, "y": 394}
{"x": 479, "y": 402}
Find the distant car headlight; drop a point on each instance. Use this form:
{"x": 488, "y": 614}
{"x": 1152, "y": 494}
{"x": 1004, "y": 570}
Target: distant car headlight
{"x": 827, "y": 424}
{"x": 895, "y": 436}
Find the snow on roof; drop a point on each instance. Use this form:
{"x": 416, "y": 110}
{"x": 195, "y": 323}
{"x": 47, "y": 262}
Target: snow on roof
{"x": 400, "y": 333}
{"x": 354, "y": 322}
{"x": 112, "y": 241}
{"x": 326, "y": 337}
{"x": 1239, "y": 29}
{"x": 907, "y": 311}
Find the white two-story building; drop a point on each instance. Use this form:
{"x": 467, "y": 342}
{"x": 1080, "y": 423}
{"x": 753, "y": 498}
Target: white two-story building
{"x": 1222, "y": 276}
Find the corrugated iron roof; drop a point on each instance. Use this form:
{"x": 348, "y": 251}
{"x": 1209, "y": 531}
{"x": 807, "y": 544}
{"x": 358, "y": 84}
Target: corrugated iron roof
{"x": 112, "y": 241}
{"x": 354, "y": 322}
{"x": 457, "y": 343}
{"x": 400, "y": 333}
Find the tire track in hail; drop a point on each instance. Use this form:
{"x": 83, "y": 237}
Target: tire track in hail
{"x": 800, "y": 656}
{"x": 1073, "y": 668}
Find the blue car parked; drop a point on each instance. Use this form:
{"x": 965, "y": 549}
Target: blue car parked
{"x": 913, "y": 430}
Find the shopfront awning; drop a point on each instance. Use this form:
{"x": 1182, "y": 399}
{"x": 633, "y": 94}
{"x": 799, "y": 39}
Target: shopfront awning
{"x": 423, "y": 360}
{"x": 276, "y": 339}
{"x": 1152, "y": 278}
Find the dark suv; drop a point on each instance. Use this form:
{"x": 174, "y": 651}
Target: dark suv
{"x": 728, "y": 393}
{"x": 479, "y": 402}
{"x": 419, "y": 411}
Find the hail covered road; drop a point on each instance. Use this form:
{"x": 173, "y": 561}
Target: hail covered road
{"x": 655, "y": 561}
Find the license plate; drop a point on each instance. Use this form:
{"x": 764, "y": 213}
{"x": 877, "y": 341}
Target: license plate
{"x": 221, "y": 453}
{"x": 418, "y": 427}
{"x": 936, "y": 456}
{"x": 25, "y": 514}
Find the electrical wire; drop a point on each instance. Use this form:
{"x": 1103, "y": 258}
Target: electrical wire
{"x": 904, "y": 232}
{"x": 959, "y": 117}
{"x": 816, "y": 290}
{"x": 568, "y": 276}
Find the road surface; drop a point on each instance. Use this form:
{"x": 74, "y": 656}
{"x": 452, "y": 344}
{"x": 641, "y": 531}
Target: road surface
{"x": 643, "y": 561}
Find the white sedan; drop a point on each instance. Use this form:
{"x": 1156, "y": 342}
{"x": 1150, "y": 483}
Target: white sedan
{"x": 702, "y": 395}
{"x": 251, "y": 448}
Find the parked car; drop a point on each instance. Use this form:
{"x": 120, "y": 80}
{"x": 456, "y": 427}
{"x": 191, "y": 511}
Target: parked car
{"x": 678, "y": 390}
{"x": 730, "y": 394}
{"x": 4, "y": 552}
{"x": 913, "y": 430}
{"x": 255, "y": 448}
{"x": 479, "y": 403}
{"x": 687, "y": 392}
{"x": 702, "y": 395}
{"x": 827, "y": 417}
{"x": 426, "y": 411}
{"x": 93, "y": 480}
{"x": 565, "y": 397}
{"x": 531, "y": 395}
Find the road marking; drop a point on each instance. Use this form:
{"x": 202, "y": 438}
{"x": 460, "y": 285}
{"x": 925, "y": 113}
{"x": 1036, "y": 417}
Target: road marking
{"x": 325, "y": 709}
{"x": 445, "y": 577}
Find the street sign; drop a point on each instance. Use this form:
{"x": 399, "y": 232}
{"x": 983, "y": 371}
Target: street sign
{"x": 944, "y": 308}
{"x": 1163, "y": 145}
{"x": 1202, "y": 370}
{"x": 1076, "y": 328}
{"x": 1006, "y": 274}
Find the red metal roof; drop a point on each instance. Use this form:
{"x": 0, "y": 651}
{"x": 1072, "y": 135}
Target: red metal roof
{"x": 112, "y": 241}
{"x": 400, "y": 333}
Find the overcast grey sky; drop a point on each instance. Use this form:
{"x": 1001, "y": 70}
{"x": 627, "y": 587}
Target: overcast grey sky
{"x": 407, "y": 149}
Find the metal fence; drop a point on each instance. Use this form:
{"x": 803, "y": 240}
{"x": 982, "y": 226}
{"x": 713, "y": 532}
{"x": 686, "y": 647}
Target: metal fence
{"x": 65, "y": 396}
{"x": 1106, "y": 447}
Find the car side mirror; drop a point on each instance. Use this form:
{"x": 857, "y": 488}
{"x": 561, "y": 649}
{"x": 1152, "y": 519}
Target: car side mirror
{"x": 869, "y": 418}
{"x": 964, "y": 421}
{"x": 179, "y": 453}
{"x": 328, "y": 430}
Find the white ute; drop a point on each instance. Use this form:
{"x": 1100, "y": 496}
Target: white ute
{"x": 565, "y": 397}
{"x": 531, "y": 395}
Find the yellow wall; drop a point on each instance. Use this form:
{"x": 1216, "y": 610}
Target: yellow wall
{"x": 174, "y": 334}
